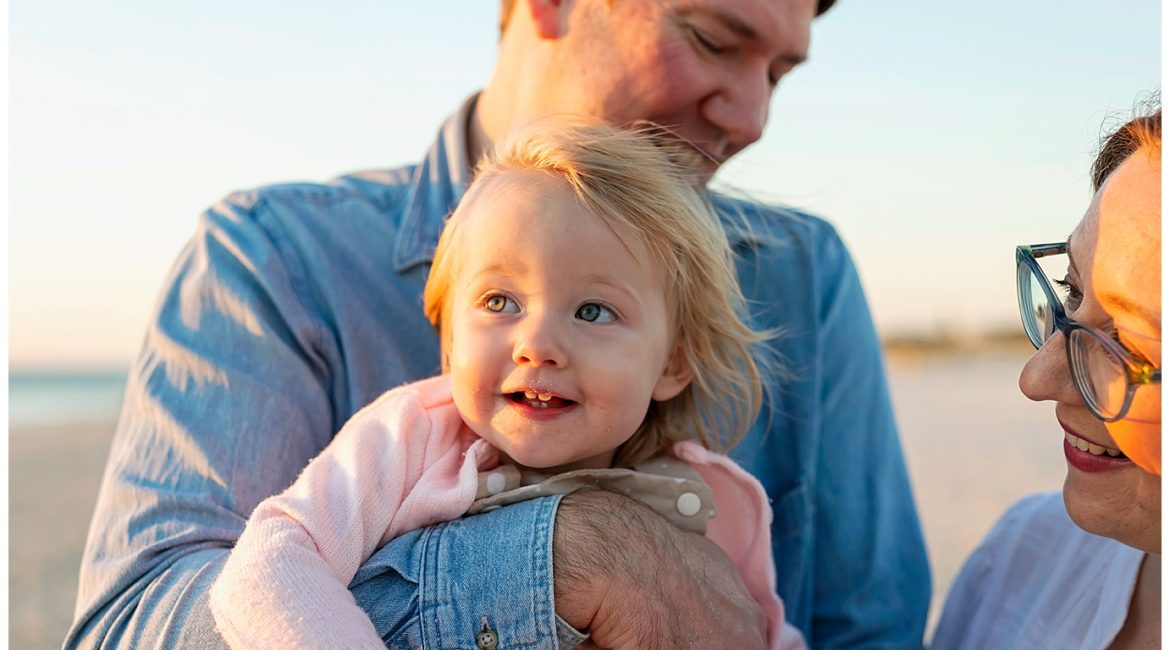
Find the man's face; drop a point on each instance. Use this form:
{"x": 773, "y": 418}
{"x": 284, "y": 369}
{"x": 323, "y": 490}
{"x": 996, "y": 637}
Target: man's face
{"x": 707, "y": 68}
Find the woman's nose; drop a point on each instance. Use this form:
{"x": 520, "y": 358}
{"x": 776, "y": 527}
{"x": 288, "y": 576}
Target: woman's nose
{"x": 1047, "y": 377}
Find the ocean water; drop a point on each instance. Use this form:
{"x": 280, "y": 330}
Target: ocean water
{"x": 38, "y": 399}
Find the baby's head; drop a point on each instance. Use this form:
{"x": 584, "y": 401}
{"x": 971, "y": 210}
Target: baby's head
{"x": 587, "y": 303}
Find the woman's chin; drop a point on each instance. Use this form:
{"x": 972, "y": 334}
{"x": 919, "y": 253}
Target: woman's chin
{"x": 1124, "y": 505}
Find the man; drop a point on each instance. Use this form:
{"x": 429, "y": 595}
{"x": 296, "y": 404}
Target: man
{"x": 295, "y": 306}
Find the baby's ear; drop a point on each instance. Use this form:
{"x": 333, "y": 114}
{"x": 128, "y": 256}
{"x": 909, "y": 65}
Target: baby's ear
{"x": 676, "y": 375}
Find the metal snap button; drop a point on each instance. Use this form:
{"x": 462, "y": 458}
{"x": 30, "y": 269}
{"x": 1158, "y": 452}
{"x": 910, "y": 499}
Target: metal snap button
{"x": 688, "y": 504}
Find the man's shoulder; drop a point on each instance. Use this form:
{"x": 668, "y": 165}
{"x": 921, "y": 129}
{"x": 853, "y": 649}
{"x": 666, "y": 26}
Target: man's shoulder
{"x": 378, "y": 190}
{"x": 791, "y": 238}
{"x": 772, "y": 219}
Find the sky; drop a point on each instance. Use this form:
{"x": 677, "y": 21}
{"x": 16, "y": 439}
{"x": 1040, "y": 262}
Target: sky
{"x": 936, "y": 136}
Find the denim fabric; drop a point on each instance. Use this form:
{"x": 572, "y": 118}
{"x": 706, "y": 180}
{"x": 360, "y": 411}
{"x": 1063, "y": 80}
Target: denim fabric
{"x": 293, "y": 306}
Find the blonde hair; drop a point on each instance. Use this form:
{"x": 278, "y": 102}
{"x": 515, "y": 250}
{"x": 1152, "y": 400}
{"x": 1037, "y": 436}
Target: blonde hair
{"x": 637, "y": 178}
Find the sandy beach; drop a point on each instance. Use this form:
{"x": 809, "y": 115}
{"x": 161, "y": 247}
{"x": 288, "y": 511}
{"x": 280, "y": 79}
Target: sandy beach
{"x": 973, "y": 445}
{"x": 53, "y": 477}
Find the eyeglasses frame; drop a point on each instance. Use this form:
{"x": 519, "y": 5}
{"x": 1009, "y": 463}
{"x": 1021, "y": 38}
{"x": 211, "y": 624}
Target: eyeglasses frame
{"x": 1137, "y": 372}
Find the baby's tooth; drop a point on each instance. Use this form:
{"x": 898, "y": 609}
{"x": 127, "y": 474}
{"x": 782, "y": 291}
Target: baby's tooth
{"x": 530, "y": 394}
{"x": 1113, "y": 452}
{"x": 1082, "y": 444}
{"x": 544, "y": 397}
{"x": 1096, "y": 450}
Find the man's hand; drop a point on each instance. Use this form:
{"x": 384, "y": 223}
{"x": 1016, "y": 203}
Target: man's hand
{"x": 638, "y": 582}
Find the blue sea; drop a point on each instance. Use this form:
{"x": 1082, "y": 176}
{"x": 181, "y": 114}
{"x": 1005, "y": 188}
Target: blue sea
{"x": 38, "y": 399}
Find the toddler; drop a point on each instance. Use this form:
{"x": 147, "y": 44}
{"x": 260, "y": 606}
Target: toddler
{"x": 592, "y": 335}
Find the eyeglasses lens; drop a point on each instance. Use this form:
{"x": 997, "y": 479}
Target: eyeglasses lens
{"x": 1099, "y": 373}
{"x": 1039, "y": 317}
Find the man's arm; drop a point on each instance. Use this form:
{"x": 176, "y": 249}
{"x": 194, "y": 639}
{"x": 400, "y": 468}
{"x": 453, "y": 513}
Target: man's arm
{"x": 872, "y": 579}
{"x": 636, "y": 581}
{"x": 227, "y": 400}
{"x": 236, "y": 388}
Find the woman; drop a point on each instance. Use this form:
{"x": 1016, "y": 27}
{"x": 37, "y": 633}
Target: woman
{"x": 1083, "y": 571}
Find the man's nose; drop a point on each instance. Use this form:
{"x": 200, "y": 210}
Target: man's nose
{"x": 740, "y": 110}
{"x": 537, "y": 343}
{"x": 1047, "y": 377}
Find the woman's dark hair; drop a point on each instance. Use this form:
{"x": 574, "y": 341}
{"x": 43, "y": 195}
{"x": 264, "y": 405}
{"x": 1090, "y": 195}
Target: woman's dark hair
{"x": 1143, "y": 130}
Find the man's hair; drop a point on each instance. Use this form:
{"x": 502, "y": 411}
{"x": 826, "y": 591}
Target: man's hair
{"x": 1145, "y": 130}
{"x": 507, "y": 5}
{"x": 639, "y": 179}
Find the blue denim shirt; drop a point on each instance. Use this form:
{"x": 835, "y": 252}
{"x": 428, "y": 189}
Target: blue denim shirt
{"x": 293, "y": 306}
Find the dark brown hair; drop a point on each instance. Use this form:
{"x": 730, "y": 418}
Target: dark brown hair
{"x": 506, "y": 11}
{"x": 1141, "y": 131}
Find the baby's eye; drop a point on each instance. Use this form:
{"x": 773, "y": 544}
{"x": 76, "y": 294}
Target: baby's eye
{"x": 500, "y": 304}
{"x": 594, "y": 312}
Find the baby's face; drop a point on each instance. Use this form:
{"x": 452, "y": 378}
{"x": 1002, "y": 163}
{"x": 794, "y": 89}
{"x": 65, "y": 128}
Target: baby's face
{"x": 560, "y": 330}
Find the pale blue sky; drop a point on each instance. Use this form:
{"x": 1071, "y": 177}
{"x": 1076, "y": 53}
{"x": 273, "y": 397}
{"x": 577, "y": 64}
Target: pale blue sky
{"x": 936, "y": 136}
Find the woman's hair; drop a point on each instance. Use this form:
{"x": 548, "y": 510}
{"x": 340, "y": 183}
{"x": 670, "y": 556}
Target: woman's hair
{"x": 640, "y": 180}
{"x": 1145, "y": 130}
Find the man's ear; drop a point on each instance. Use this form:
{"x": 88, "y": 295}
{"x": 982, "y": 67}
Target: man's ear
{"x": 551, "y": 17}
{"x": 676, "y": 375}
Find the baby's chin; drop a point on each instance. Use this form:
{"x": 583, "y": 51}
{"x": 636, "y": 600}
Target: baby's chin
{"x": 550, "y": 461}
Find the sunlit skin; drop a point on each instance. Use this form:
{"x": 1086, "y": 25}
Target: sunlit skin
{"x": 707, "y": 68}
{"x": 1115, "y": 284}
{"x": 549, "y": 300}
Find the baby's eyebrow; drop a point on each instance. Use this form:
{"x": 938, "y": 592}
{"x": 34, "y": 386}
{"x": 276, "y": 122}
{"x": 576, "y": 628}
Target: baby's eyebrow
{"x": 496, "y": 268}
{"x": 609, "y": 281}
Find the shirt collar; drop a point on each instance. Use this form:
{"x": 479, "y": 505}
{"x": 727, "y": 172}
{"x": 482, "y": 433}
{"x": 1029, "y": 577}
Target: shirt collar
{"x": 436, "y": 186}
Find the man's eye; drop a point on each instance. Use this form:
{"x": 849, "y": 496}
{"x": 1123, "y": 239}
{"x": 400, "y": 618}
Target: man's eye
{"x": 596, "y": 313}
{"x": 706, "y": 43}
{"x": 500, "y": 304}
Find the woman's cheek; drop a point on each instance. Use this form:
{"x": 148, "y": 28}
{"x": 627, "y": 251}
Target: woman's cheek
{"x": 1140, "y": 440}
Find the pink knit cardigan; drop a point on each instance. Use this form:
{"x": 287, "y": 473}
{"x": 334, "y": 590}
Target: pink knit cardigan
{"x": 404, "y": 462}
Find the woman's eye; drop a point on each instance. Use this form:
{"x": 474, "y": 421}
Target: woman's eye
{"x": 596, "y": 313}
{"x": 1072, "y": 293}
{"x": 500, "y": 304}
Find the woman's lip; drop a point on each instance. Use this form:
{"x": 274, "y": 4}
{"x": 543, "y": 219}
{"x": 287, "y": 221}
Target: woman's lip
{"x": 1087, "y": 462}
{"x": 1072, "y": 432}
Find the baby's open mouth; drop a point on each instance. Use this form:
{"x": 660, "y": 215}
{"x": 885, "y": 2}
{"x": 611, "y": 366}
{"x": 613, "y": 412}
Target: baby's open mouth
{"x": 537, "y": 400}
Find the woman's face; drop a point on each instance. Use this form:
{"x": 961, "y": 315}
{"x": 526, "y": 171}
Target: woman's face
{"x": 1114, "y": 282}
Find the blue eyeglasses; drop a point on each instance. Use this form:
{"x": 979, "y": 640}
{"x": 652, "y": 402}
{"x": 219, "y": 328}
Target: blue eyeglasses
{"x": 1105, "y": 373}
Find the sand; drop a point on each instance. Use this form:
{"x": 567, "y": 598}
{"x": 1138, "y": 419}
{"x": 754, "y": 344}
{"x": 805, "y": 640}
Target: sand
{"x": 53, "y": 478}
{"x": 973, "y": 446}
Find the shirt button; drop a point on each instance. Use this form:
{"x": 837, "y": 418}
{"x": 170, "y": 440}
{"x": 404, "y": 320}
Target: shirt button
{"x": 486, "y": 639}
{"x": 688, "y": 504}
{"x": 496, "y": 483}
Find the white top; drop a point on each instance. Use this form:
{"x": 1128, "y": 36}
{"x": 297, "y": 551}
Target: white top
{"x": 1039, "y": 581}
